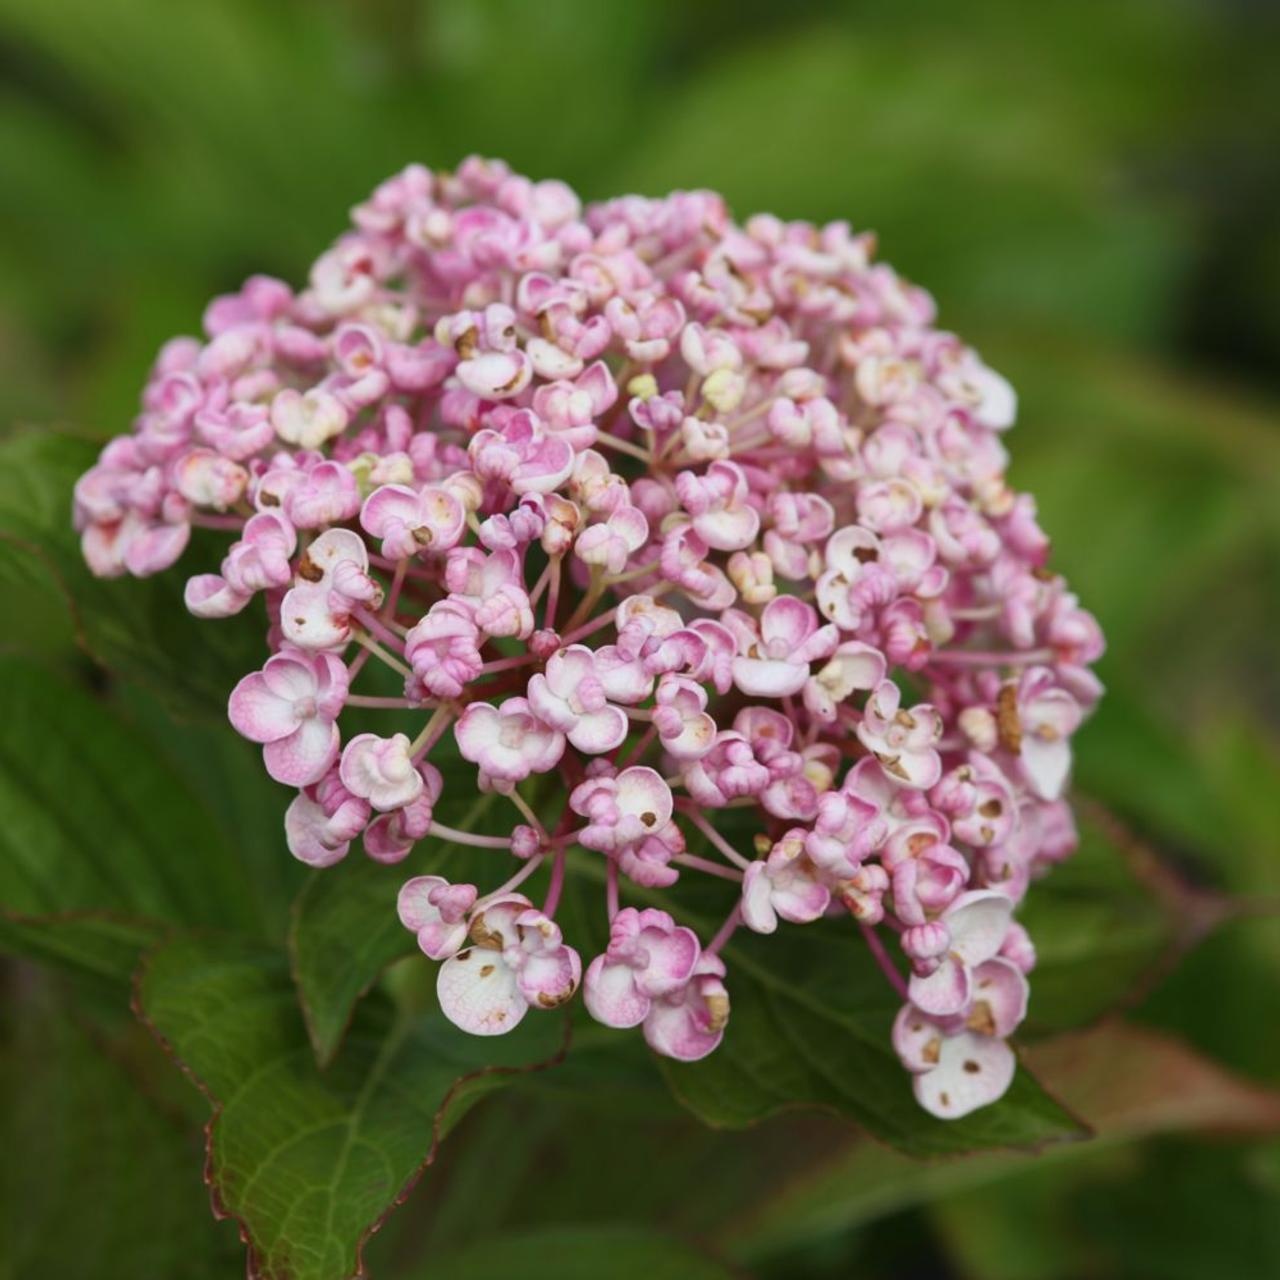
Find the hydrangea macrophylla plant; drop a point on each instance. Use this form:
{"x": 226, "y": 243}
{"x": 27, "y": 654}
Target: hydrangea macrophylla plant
{"x": 690, "y": 516}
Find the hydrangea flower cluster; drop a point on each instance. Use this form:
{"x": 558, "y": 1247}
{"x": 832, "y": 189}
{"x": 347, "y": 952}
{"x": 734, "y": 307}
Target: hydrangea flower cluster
{"x": 678, "y": 516}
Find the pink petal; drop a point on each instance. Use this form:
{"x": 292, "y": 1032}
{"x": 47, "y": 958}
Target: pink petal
{"x": 728, "y": 530}
{"x": 944, "y": 992}
{"x": 611, "y": 995}
{"x": 599, "y": 732}
{"x": 999, "y": 998}
{"x": 305, "y": 755}
{"x": 547, "y": 981}
{"x": 673, "y": 956}
{"x": 413, "y": 904}
{"x": 259, "y": 714}
{"x": 787, "y": 619}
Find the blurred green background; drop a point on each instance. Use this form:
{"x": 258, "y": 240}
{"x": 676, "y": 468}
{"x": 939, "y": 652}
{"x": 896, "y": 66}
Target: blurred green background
{"x": 1091, "y": 191}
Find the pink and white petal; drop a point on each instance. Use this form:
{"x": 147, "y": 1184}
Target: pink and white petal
{"x": 643, "y": 793}
{"x": 439, "y": 940}
{"x": 978, "y": 922}
{"x": 479, "y": 993}
{"x": 999, "y": 998}
{"x": 547, "y": 981}
{"x": 1047, "y": 763}
{"x": 478, "y": 730}
{"x": 206, "y": 595}
{"x": 728, "y": 530}
{"x": 673, "y": 956}
{"x": 789, "y": 620}
{"x": 757, "y": 899}
{"x": 334, "y": 546}
{"x": 972, "y": 1072}
{"x": 391, "y": 504}
{"x": 696, "y": 738}
{"x": 305, "y": 755}
{"x": 768, "y": 678}
{"x": 413, "y": 903}
{"x": 258, "y": 714}
{"x": 917, "y": 1040}
{"x": 309, "y": 621}
{"x": 681, "y": 1031}
{"x": 306, "y": 829}
{"x": 942, "y": 993}
{"x": 801, "y": 900}
{"x": 611, "y": 995}
{"x": 600, "y": 731}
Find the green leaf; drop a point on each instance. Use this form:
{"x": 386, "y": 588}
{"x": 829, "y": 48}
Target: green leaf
{"x": 138, "y": 628}
{"x": 309, "y": 1163}
{"x": 100, "y": 1176}
{"x": 577, "y": 1253}
{"x": 103, "y": 842}
{"x": 1128, "y": 1083}
{"x": 810, "y": 1026}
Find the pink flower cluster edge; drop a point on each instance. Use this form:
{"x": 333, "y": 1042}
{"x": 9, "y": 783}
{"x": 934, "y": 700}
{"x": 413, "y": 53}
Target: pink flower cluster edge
{"x": 690, "y": 516}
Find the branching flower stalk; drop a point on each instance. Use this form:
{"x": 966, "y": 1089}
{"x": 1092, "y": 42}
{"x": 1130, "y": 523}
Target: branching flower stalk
{"x": 693, "y": 516}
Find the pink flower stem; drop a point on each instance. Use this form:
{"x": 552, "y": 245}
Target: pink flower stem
{"x": 691, "y": 812}
{"x": 378, "y": 628}
{"x": 613, "y": 579}
{"x": 506, "y": 664}
{"x": 557, "y": 883}
{"x": 380, "y": 653}
{"x": 364, "y": 700}
{"x": 587, "y": 628}
{"x": 515, "y": 882}
{"x": 882, "y": 959}
{"x": 553, "y": 594}
{"x": 356, "y": 665}
{"x": 393, "y": 593}
{"x": 642, "y": 745}
{"x": 611, "y": 888}
{"x": 410, "y": 571}
{"x": 441, "y": 718}
{"x": 452, "y": 834}
{"x": 725, "y": 932}
{"x": 694, "y": 863}
{"x": 991, "y": 657}
{"x": 623, "y": 446}
{"x": 540, "y": 586}
{"x": 528, "y": 814}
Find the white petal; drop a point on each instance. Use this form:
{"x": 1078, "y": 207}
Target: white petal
{"x": 478, "y": 992}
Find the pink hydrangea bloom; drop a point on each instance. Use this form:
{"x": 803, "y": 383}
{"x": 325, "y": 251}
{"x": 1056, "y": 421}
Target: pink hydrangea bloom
{"x": 650, "y": 514}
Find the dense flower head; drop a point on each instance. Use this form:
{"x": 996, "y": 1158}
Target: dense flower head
{"x": 654, "y": 515}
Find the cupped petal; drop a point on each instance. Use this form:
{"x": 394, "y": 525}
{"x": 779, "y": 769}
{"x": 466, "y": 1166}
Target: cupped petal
{"x": 611, "y": 995}
{"x": 769, "y": 678}
{"x": 305, "y": 755}
{"x": 757, "y": 899}
{"x": 999, "y": 998}
{"x": 978, "y": 922}
{"x": 944, "y": 992}
{"x": 599, "y": 732}
{"x": 259, "y": 714}
{"x": 548, "y": 981}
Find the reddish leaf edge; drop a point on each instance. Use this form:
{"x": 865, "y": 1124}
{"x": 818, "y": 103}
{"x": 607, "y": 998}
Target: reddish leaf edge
{"x": 254, "y": 1261}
